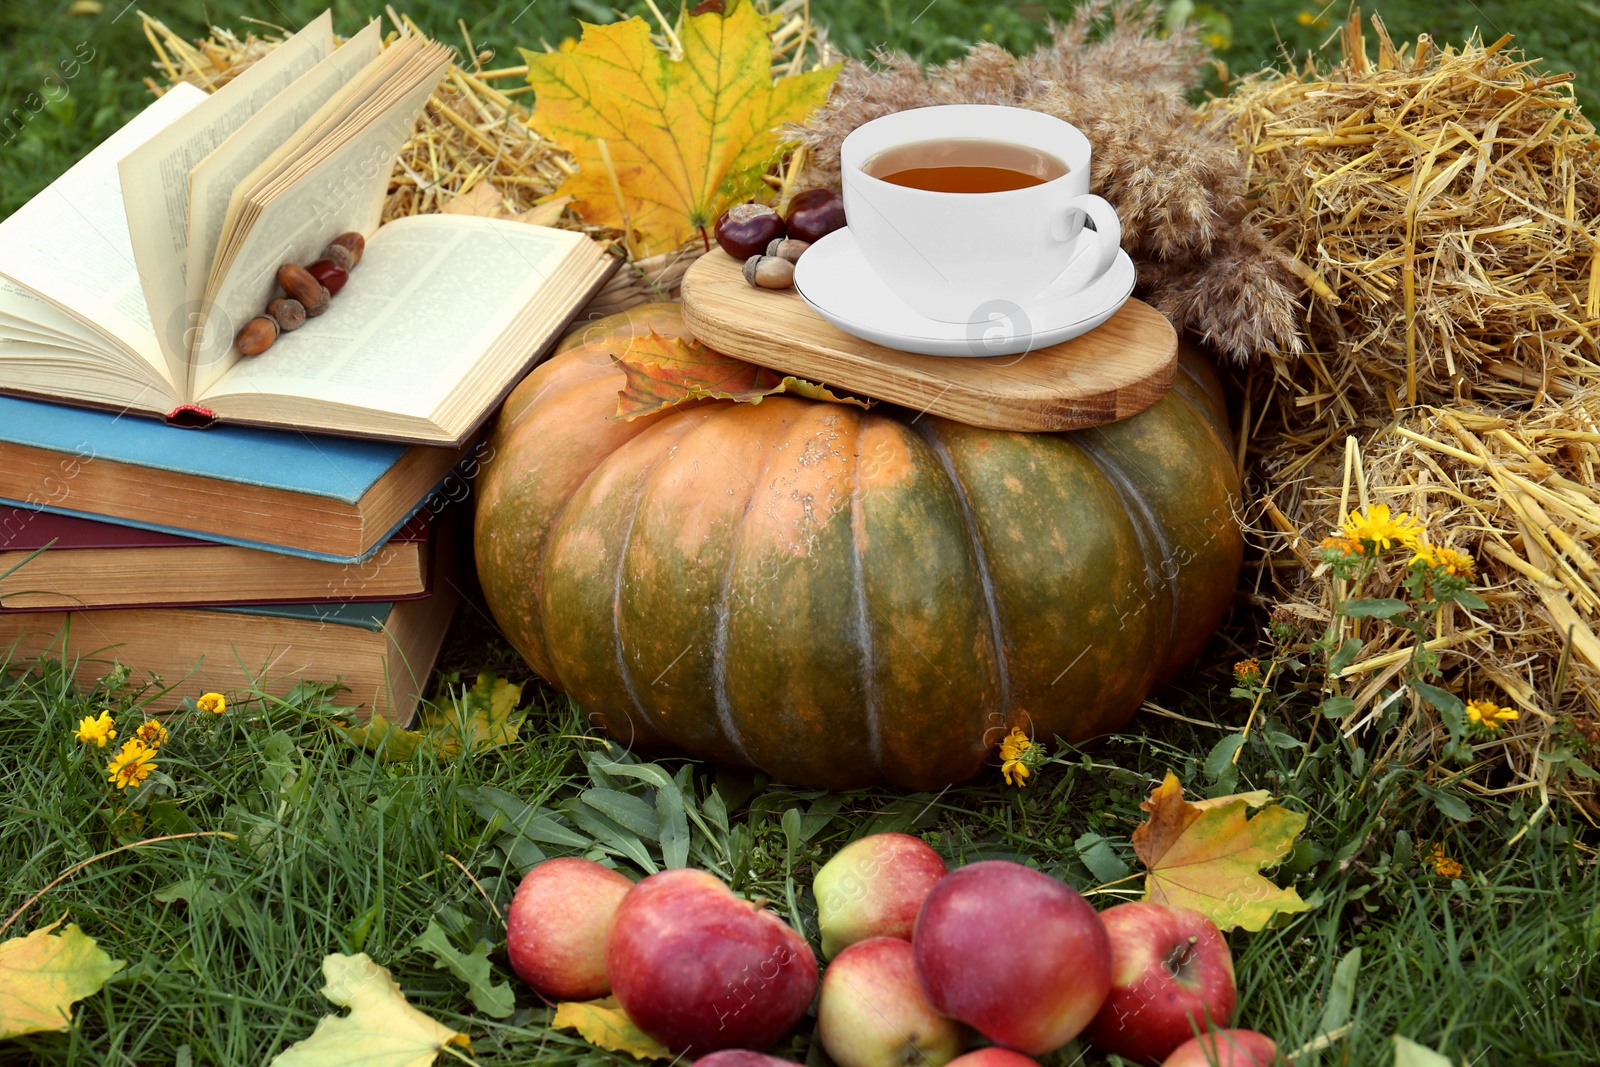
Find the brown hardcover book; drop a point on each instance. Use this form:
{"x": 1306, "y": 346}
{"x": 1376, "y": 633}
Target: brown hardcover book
{"x": 124, "y": 284}
{"x": 382, "y": 653}
{"x": 57, "y": 562}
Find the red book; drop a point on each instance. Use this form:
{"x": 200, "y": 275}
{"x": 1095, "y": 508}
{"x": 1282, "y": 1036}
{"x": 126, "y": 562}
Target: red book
{"x": 56, "y": 562}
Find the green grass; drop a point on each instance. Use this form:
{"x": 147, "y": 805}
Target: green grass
{"x": 339, "y": 852}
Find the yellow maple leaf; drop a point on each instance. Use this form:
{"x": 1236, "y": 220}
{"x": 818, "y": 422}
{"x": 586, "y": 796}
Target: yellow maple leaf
{"x": 44, "y": 974}
{"x": 603, "y": 1023}
{"x": 685, "y": 138}
{"x": 1207, "y": 855}
{"x": 476, "y": 721}
{"x": 382, "y": 1029}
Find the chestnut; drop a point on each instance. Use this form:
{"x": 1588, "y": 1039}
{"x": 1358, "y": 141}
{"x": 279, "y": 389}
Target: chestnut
{"x": 330, "y": 274}
{"x": 745, "y": 230}
{"x": 814, "y": 214}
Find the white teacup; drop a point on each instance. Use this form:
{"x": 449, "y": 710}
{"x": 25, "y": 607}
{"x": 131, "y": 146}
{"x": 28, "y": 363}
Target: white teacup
{"x": 949, "y": 253}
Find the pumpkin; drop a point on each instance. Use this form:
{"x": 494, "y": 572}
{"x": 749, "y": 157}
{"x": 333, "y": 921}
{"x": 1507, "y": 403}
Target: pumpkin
{"x": 842, "y": 597}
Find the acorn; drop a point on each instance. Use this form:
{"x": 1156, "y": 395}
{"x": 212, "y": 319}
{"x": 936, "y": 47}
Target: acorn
{"x": 745, "y": 229}
{"x": 353, "y": 241}
{"x": 340, "y": 255}
{"x": 787, "y": 248}
{"x": 257, "y": 336}
{"x": 298, "y": 283}
{"x": 769, "y": 272}
{"x": 320, "y": 305}
{"x": 288, "y": 313}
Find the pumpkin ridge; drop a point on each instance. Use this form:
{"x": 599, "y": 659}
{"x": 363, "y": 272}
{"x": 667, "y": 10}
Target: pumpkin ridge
{"x": 869, "y": 677}
{"x": 1148, "y": 527}
{"x": 642, "y": 485}
{"x": 719, "y": 647}
{"x": 991, "y": 605}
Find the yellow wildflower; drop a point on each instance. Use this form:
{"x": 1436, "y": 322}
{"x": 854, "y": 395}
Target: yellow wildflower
{"x": 1247, "y": 671}
{"x": 215, "y": 703}
{"x": 1487, "y": 714}
{"x": 97, "y": 731}
{"x": 1011, "y": 757}
{"x": 1451, "y": 561}
{"x": 131, "y": 765}
{"x": 152, "y": 733}
{"x": 1343, "y": 544}
{"x": 1381, "y": 529}
{"x": 1442, "y": 864}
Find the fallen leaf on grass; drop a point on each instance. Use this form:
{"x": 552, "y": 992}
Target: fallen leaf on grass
{"x": 1207, "y": 855}
{"x": 684, "y": 138}
{"x": 382, "y": 1029}
{"x": 663, "y": 371}
{"x": 487, "y": 995}
{"x": 1408, "y": 1053}
{"x": 604, "y": 1023}
{"x": 476, "y": 721}
{"x": 43, "y": 974}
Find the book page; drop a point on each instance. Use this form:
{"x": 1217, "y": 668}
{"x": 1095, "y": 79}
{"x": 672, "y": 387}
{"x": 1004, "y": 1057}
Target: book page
{"x": 426, "y": 302}
{"x": 362, "y": 87}
{"x": 213, "y": 180}
{"x": 344, "y": 191}
{"x": 70, "y": 244}
{"x": 155, "y": 176}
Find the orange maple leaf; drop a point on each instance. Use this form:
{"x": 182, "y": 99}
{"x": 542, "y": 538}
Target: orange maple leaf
{"x": 1207, "y": 854}
{"x": 664, "y": 371}
{"x": 683, "y": 139}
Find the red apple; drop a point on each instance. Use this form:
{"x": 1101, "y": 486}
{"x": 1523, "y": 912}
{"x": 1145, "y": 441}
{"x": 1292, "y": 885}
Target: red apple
{"x": 872, "y": 1012}
{"x": 700, "y": 969}
{"x": 741, "y": 1057}
{"x": 874, "y": 887}
{"x": 1168, "y": 966}
{"x": 1225, "y": 1048}
{"x": 993, "y": 1056}
{"x": 557, "y": 925}
{"x": 1014, "y": 953}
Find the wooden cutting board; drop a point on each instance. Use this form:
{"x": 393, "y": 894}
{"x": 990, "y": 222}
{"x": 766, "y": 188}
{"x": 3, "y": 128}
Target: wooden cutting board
{"x": 1116, "y": 370}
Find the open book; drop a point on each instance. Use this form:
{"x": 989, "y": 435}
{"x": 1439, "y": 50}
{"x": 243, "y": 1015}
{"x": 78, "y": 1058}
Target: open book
{"x": 124, "y": 283}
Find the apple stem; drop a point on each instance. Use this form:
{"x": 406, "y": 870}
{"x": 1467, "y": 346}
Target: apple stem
{"x": 1179, "y": 959}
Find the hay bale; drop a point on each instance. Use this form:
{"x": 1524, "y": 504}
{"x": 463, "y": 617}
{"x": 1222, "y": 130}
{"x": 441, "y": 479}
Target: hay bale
{"x": 1442, "y": 207}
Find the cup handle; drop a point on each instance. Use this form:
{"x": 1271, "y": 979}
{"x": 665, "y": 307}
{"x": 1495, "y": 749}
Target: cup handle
{"x": 1108, "y": 230}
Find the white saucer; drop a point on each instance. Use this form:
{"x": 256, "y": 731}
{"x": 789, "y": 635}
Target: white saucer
{"x": 837, "y": 282}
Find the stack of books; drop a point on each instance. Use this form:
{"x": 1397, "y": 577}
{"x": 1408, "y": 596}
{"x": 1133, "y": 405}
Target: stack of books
{"x": 220, "y": 522}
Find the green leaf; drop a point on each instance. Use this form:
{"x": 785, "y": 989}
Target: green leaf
{"x": 1408, "y": 1053}
{"x": 1342, "y": 992}
{"x": 610, "y": 835}
{"x": 523, "y": 820}
{"x": 1449, "y": 804}
{"x": 1101, "y": 859}
{"x": 1345, "y": 655}
{"x": 475, "y": 721}
{"x": 487, "y": 996}
{"x": 1468, "y": 599}
{"x": 1220, "y": 759}
{"x": 43, "y": 974}
{"x": 1377, "y": 608}
{"x": 1337, "y": 707}
{"x": 1441, "y": 699}
{"x": 630, "y": 812}
{"x": 672, "y": 821}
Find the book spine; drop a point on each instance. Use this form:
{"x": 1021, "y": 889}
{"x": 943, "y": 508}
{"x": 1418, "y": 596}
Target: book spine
{"x": 191, "y": 417}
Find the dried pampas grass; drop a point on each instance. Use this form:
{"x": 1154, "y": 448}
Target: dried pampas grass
{"x": 1178, "y": 185}
{"x": 1446, "y": 206}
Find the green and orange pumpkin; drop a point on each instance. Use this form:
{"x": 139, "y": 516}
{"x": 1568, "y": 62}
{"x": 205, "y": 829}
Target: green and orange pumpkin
{"x": 843, "y": 597}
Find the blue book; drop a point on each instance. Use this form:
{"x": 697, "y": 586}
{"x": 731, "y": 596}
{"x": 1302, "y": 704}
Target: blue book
{"x": 328, "y": 498}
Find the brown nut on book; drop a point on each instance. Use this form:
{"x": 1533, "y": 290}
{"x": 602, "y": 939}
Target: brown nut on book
{"x": 298, "y": 283}
{"x": 257, "y": 336}
{"x": 288, "y": 312}
{"x": 340, "y": 254}
{"x": 320, "y": 304}
{"x": 356, "y": 243}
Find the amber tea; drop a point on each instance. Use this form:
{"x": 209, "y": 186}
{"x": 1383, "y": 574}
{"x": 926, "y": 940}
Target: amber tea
{"x": 965, "y": 165}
